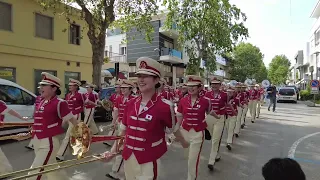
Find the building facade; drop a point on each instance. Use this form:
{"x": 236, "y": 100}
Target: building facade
{"x": 33, "y": 41}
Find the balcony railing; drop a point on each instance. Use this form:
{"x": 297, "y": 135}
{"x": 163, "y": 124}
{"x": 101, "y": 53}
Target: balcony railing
{"x": 220, "y": 73}
{"x": 115, "y": 57}
{"x": 170, "y": 52}
{"x": 174, "y": 25}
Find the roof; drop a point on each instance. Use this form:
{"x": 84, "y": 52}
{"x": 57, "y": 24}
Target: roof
{"x": 316, "y": 11}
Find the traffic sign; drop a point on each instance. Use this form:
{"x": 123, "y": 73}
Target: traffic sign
{"x": 314, "y": 91}
{"x": 314, "y": 83}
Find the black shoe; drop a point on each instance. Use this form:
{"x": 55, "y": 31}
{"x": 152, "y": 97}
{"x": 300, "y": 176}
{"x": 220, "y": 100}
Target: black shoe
{"x": 252, "y": 121}
{"x": 242, "y": 126}
{"x": 229, "y": 147}
{"x": 111, "y": 177}
{"x": 268, "y": 109}
{"x": 237, "y": 135}
{"x": 105, "y": 143}
{"x": 210, "y": 166}
{"x": 218, "y": 159}
{"x": 28, "y": 147}
{"x": 59, "y": 160}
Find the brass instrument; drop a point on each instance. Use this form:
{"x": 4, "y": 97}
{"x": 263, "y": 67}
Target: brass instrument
{"x": 107, "y": 104}
{"x": 18, "y": 137}
{"x": 80, "y": 141}
{"x": 109, "y": 127}
{"x": 171, "y": 139}
{"x": 10, "y": 124}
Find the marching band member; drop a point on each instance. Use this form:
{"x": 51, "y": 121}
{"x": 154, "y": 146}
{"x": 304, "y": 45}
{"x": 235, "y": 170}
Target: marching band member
{"x": 5, "y": 166}
{"x": 163, "y": 91}
{"x": 36, "y": 103}
{"x": 144, "y": 125}
{"x": 113, "y": 100}
{"x": 231, "y": 111}
{"x": 246, "y": 105}
{"x": 89, "y": 108}
{"x": 216, "y": 125}
{"x": 240, "y": 98}
{"x": 48, "y": 118}
{"x": 191, "y": 112}
{"x": 260, "y": 98}
{"x": 76, "y": 102}
{"x": 253, "y": 102}
{"x": 118, "y": 91}
{"x": 118, "y": 111}
{"x": 202, "y": 91}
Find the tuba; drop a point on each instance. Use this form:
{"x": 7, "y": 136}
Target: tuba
{"x": 233, "y": 83}
{"x": 265, "y": 83}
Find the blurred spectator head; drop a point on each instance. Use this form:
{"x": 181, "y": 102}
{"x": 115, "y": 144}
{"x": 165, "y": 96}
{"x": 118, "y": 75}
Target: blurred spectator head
{"x": 282, "y": 169}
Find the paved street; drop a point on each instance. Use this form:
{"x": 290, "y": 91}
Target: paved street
{"x": 293, "y": 127}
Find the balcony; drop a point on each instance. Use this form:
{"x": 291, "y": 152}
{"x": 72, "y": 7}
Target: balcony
{"x": 171, "y": 55}
{"x": 221, "y": 60}
{"x": 172, "y": 33}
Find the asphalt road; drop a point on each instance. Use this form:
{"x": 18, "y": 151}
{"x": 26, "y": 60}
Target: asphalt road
{"x": 293, "y": 130}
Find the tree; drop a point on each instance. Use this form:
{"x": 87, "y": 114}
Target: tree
{"x": 103, "y": 14}
{"x": 247, "y": 62}
{"x": 262, "y": 73}
{"x": 206, "y": 28}
{"x": 279, "y": 69}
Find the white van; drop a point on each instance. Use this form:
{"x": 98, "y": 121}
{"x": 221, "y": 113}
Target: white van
{"x": 18, "y": 99}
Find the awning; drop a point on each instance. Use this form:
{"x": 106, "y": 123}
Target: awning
{"x": 111, "y": 72}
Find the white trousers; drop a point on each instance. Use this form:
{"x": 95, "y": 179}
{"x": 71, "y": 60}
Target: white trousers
{"x": 30, "y": 143}
{"x": 45, "y": 153}
{"x": 231, "y": 124}
{"x": 215, "y": 127}
{"x": 135, "y": 171}
{"x": 118, "y": 163}
{"x": 253, "y": 109}
{"x": 65, "y": 142}
{"x": 5, "y": 166}
{"x": 89, "y": 121}
{"x": 196, "y": 140}
{"x": 238, "y": 120}
{"x": 258, "y": 108}
{"x": 244, "y": 114}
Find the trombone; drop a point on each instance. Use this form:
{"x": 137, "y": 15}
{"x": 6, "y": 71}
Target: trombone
{"x": 80, "y": 141}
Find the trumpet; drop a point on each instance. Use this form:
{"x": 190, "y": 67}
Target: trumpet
{"x": 10, "y": 124}
{"x": 80, "y": 141}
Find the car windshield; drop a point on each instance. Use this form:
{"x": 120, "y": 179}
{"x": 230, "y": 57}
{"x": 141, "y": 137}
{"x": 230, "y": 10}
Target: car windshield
{"x": 288, "y": 92}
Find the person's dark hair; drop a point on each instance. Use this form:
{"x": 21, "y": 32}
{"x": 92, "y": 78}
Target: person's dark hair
{"x": 78, "y": 88}
{"x": 282, "y": 169}
{"x": 58, "y": 91}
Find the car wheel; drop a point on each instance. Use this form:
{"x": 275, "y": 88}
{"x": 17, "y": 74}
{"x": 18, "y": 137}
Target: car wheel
{"x": 295, "y": 102}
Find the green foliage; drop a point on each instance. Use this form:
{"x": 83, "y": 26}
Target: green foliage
{"x": 99, "y": 15}
{"x": 206, "y": 28}
{"x": 247, "y": 62}
{"x": 297, "y": 76}
{"x": 279, "y": 69}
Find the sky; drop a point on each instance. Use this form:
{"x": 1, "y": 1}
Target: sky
{"x": 276, "y": 28}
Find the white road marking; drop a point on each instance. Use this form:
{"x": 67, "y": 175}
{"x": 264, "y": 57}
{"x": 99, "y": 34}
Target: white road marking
{"x": 294, "y": 146}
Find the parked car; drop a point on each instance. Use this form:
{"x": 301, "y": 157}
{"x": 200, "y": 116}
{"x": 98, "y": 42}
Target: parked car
{"x": 287, "y": 94}
{"x": 297, "y": 90}
{"x": 100, "y": 114}
{"x": 19, "y": 99}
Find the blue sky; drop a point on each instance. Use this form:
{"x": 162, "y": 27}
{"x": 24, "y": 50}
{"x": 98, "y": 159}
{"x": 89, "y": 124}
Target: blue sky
{"x": 274, "y": 28}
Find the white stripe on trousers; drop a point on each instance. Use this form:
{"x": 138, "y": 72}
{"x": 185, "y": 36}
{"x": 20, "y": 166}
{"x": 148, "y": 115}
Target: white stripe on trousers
{"x": 238, "y": 120}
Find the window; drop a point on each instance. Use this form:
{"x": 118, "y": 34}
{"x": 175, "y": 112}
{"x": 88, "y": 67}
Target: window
{"x": 14, "y": 96}
{"x": 44, "y": 26}
{"x": 123, "y": 50}
{"x": 5, "y": 16}
{"x": 287, "y": 92}
{"x": 74, "y": 34}
{"x": 38, "y": 78}
{"x": 106, "y": 53}
{"x": 168, "y": 44}
{"x": 8, "y": 73}
{"x": 67, "y": 76}
{"x": 110, "y": 51}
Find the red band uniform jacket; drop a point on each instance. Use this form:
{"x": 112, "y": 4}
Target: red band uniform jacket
{"x": 194, "y": 116}
{"x": 3, "y": 110}
{"x": 218, "y": 101}
{"x": 145, "y": 128}
{"x": 120, "y": 104}
{"x": 91, "y": 97}
{"x": 234, "y": 102}
{"x": 48, "y": 117}
{"x": 76, "y": 102}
